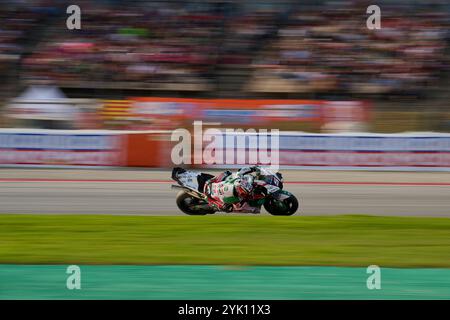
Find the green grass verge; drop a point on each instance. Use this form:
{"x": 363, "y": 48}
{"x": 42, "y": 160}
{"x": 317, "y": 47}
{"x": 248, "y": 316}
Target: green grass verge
{"x": 225, "y": 240}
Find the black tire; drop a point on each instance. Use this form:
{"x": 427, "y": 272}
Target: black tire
{"x": 290, "y": 204}
{"x": 182, "y": 203}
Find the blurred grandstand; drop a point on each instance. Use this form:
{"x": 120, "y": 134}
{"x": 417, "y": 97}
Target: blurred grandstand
{"x": 235, "y": 49}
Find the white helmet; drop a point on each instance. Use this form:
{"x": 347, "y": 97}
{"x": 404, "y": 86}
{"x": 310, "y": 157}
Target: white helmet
{"x": 246, "y": 184}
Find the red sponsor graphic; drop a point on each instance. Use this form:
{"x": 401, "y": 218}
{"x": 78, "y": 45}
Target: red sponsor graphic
{"x": 147, "y": 150}
{"x": 164, "y": 113}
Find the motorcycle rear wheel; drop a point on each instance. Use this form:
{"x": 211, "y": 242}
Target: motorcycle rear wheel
{"x": 187, "y": 203}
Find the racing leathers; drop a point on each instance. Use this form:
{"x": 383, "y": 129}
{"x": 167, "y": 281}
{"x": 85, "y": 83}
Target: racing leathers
{"x": 233, "y": 191}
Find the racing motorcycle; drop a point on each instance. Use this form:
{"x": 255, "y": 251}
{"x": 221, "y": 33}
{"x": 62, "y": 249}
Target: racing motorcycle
{"x": 268, "y": 192}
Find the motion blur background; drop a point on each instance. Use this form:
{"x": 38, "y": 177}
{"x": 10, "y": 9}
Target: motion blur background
{"x": 110, "y": 94}
{"x": 307, "y": 50}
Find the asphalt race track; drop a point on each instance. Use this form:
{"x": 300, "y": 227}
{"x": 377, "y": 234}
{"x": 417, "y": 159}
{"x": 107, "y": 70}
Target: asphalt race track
{"x": 148, "y": 192}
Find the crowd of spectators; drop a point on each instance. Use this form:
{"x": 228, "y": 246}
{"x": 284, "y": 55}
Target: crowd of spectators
{"x": 330, "y": 49}
{"x": 137, "y": 45}
{"x": 17, "y": 21}
{"x": 141, "y": 44}
{"x": 244, "y": 33}
{"x": 148, "y": 43}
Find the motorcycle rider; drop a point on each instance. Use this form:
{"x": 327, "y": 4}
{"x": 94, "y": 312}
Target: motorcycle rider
{"x": 234, "y": 192}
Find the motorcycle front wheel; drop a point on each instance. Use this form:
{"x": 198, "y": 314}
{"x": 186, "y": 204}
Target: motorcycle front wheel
{"x": 191, "y": 205}
{"x": 286, "y": 207}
